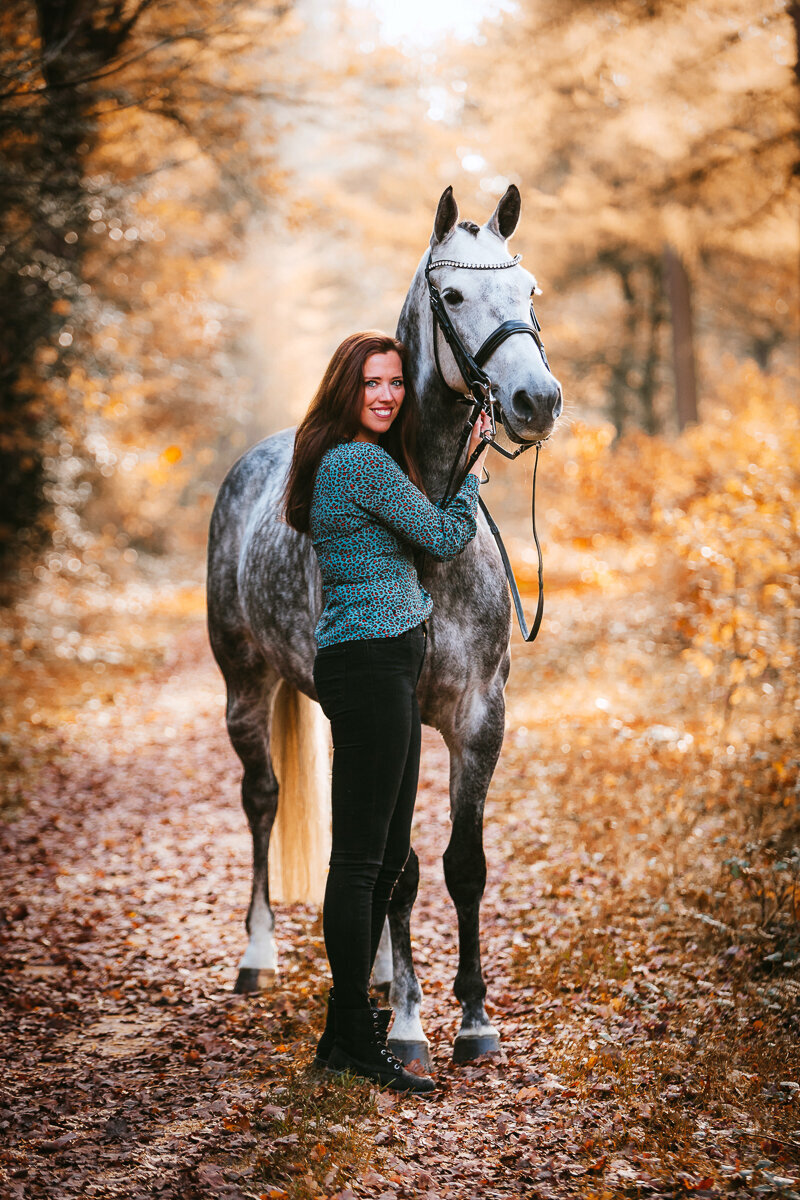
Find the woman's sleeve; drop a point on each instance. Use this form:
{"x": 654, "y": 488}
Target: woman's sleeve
{"x": 378, "y": 485}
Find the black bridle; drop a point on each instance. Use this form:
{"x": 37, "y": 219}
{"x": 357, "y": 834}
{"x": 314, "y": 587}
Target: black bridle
{"x": 481, "y": 397}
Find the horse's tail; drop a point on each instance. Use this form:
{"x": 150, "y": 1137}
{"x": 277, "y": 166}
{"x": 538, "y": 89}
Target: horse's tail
{"x": 301, "y": 837}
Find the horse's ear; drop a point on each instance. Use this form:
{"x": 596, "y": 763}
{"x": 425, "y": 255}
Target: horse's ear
{"x": 505, "y": 217}
{"x": 446, "y": 216}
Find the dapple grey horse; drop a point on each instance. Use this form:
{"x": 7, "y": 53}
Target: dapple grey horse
{"x": 264, "y": 598}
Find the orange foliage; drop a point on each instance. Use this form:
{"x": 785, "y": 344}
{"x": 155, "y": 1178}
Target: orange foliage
{"x": 721, "y": 505}
{"x": 738, "y": 540}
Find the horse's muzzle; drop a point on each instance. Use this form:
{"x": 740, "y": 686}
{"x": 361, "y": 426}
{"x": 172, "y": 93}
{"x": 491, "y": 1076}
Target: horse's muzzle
{"x": 532, "y": 414}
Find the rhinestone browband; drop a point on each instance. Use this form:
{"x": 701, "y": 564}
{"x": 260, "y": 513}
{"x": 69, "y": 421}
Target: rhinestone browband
{"x": 451, "y": 262}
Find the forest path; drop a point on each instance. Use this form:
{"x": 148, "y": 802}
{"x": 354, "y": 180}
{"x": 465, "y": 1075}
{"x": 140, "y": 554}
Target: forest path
{"x": 635, "y": 1054}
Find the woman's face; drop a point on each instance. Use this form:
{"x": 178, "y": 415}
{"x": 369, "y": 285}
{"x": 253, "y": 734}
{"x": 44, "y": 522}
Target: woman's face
{"x": 382, "y": 395}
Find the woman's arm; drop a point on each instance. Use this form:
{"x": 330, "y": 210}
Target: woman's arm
{"x": 378, "y": 485}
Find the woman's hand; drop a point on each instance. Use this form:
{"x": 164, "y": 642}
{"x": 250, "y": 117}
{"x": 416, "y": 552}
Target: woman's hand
{"x": 482, "y": 425}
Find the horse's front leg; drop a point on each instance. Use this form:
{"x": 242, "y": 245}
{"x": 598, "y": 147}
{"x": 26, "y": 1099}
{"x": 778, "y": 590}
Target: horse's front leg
{"x": 382, "y": 968}
{"x": 406, "y": 1039}
{"x": 474, "y": 746}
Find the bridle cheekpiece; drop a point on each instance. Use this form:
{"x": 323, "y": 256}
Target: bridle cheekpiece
{"x": 481, "y": 396}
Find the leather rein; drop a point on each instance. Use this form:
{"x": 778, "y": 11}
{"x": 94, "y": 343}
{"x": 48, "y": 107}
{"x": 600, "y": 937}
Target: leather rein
{"x": 481, "y": 397}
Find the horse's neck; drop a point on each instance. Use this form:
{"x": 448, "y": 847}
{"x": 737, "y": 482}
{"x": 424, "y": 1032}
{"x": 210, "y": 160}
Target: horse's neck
{"x": 441, "y": 417}
{"x": 441, "y": 423}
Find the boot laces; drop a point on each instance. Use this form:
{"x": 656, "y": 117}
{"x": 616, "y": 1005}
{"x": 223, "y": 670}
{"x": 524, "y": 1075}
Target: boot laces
{"x": 391, "y": 1060}
{"x": 385, "y": 1051}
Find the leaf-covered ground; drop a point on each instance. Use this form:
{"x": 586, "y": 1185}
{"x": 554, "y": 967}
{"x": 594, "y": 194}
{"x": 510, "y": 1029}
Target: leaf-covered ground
{"x": 640, "y": 932}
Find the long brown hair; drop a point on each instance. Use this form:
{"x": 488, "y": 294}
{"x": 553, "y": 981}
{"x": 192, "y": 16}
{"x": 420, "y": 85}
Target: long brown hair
{"x": 333, "y": 417}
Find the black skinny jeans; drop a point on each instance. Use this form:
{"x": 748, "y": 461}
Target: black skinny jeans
{"x": 367, "y": 689}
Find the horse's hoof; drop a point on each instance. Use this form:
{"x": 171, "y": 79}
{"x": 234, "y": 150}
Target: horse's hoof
{"x": 472, "y": 1045}
{"x": 409, "y": 1052}
{"x": 253, "y": 979}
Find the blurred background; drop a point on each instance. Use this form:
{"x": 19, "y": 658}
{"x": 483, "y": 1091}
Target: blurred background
{"x": 198, "y": 201}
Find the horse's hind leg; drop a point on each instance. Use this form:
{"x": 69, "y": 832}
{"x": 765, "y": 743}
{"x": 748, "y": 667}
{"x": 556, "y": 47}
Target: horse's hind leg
{"x": 474, "y": 749}
{"x": 250, "y": 696}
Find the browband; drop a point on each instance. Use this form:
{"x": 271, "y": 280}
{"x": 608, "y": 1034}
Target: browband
{"x": 451, "y": 262}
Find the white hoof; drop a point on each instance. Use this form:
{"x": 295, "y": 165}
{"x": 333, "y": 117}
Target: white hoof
{"x": 250, "y": 979}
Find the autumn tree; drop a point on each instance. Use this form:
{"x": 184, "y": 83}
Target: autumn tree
{"x": 101, "y": 104}
{"x": 364, "y": 167}
{"x": 655, "y": 143}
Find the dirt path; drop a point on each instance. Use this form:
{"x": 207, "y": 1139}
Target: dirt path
{"x": 647, "y": 1052}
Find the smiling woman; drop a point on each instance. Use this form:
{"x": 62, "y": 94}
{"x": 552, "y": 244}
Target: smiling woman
{"x": 352, "y": 487}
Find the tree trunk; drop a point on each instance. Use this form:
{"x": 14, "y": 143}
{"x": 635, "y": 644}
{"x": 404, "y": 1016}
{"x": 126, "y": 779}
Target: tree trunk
{"x": 655, "y": 318}
{"x": 44, "y": 139}
{"x": 619, "y": 385}
{"x": 680, "y": 303}
{"x": 794, "y": 14}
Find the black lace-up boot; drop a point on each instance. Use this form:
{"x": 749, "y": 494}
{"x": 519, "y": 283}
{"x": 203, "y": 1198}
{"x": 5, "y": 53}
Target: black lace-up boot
{"x": 360, "y": 1049}
{"x": 383, "y": 1017}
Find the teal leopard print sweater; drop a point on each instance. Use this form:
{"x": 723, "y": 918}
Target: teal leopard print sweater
{"x": 367, "y": 518}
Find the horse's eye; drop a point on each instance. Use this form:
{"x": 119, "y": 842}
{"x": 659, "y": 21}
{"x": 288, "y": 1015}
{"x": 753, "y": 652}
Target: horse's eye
{"x": 452, "y": 296}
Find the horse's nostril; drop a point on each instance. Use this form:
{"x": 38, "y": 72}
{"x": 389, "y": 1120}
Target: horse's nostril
{"x": 531, "y": 408}
{"x": 523, "y": 406}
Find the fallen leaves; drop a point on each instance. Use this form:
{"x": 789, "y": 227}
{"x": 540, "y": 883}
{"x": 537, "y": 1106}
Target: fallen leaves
{"x": 650, "y": 1031}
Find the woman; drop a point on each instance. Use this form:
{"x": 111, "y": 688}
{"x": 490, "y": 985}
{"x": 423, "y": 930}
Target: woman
{"x": 354, "y": 486}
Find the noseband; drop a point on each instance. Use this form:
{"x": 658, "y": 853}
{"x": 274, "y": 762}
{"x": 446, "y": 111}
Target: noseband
{"x": 481, "y": 396}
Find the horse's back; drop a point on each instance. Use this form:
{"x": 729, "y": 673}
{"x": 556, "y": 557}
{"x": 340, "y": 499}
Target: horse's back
{"x": 262, "y": 577}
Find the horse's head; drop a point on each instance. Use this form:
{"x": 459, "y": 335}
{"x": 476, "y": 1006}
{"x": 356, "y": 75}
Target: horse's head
{"x": 481, "y": 293}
